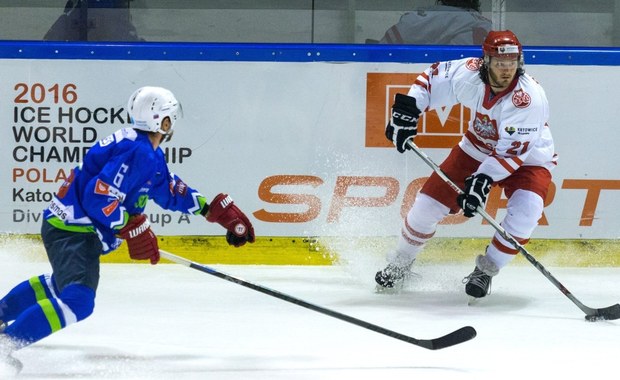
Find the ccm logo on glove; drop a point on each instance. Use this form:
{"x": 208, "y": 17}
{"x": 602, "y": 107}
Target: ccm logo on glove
{"x": 403, "y": 125}
{"x": 406, "y": 118}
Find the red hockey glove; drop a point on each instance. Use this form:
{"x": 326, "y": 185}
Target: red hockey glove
{"x": 223, "y": 211}
{"x": 141, "y": 241}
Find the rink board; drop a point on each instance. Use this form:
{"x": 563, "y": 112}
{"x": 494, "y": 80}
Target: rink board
{"x": 294, "y": 133}
{"x": 337, "y": 250}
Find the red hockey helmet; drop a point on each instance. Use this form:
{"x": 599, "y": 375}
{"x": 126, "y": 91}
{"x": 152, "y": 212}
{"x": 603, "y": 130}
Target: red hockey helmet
{"x": 502, "y": 43}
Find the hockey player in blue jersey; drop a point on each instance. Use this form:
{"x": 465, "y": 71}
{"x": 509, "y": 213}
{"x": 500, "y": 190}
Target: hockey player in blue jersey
{"x": 100, "y": 205}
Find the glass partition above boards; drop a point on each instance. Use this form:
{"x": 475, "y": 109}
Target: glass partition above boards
{"x": 593, "y": 23}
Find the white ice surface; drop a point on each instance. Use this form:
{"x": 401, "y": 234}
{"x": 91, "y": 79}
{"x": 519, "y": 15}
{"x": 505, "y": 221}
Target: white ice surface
{"x": 172, "y": 322}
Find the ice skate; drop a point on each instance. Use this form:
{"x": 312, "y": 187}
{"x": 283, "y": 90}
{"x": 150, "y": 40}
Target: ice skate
{"x": 392, "y": 278}
{"x": 9, "y": 366}
{"x": 478, "y": 282}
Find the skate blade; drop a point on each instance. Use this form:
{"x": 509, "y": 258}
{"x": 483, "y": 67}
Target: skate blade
{"x": 472, "y": 301}
{"x": 383, "y": 290}
{"x": 10, "y": 366}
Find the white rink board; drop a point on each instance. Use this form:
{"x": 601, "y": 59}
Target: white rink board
{"x": 249, "y": 121}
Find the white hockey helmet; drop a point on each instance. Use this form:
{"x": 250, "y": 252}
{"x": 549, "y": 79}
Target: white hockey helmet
{"x": 148, "y": 106}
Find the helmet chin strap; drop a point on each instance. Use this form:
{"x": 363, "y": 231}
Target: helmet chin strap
{"x": 168, "y": 136}
{"x": 165, "y": 136}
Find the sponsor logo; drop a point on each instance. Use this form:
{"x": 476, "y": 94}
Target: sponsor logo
{"x": 226, "y": 201}
{"x": 440, "y": 128}
{"x": 142, "y": 228}
{"x": 526, "y": 131}
{"x": 102, "y": 188}
{"x": 58, "y": 209}
{"x": 508, "y": 49}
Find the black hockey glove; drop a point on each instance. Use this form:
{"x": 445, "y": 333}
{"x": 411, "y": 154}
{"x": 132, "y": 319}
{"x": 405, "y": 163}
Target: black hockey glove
{"x": 403, "y": 125}
{"x": 477, "y": 188}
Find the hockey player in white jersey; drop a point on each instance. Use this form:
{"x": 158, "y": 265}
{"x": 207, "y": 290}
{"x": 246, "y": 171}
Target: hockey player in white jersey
{"x": 508, "y": 144}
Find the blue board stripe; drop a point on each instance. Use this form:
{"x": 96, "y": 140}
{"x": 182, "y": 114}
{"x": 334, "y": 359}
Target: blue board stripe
{"x": 267, "y": 52}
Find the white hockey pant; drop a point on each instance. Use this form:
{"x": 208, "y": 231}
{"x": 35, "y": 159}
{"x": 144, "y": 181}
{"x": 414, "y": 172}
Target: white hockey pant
{"x": 523, "y": 211}
{"x": 418, "y": 227}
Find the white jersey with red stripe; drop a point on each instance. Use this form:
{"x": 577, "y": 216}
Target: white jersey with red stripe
{"x": 506, "y": 130}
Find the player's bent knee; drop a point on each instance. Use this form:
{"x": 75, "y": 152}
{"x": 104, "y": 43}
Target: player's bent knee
{"x": 79, "y": 299}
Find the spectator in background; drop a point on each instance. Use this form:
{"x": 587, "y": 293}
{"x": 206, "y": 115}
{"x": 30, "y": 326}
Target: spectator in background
{"x": 94, "y": 20}
{"x": 450, "y": 22}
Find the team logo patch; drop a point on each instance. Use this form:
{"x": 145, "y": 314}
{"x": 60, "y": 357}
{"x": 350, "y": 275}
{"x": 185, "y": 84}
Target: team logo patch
{"x": 240, "y": 229}
{"x": 473, "y": 64}
{"x": 485, "y": 127}
{"x": 521, "y": 99}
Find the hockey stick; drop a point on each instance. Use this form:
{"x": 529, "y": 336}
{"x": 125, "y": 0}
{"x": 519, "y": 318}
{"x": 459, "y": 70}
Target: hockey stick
{"x": 458, "y": 336}
{"x": 605, "y": 313}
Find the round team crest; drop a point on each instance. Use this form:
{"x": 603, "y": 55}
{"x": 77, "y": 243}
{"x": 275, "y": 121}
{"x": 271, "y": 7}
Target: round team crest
{"x": 521, "y": 99}
{"x": 240, "y": 229}
{"x": 473, "y": 64}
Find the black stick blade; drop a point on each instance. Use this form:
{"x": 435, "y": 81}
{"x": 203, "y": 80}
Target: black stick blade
{"x": 455, "y": 337}
{"x": 605, "y": 314}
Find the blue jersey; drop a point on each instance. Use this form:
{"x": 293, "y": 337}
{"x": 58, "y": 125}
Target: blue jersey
{"x": 117, "y": 177}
